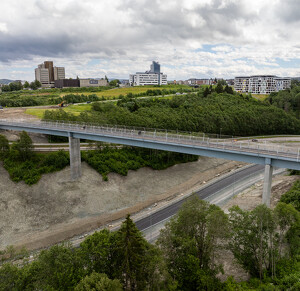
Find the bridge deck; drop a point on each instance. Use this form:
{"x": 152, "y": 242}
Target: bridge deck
{"x": 232, "y": 149}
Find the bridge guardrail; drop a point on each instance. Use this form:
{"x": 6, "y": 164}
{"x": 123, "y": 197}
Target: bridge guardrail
{"x": 188, "y": 138}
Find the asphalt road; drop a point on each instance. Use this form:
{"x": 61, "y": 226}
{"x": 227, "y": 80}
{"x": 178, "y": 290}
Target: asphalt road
{"x": 170, "y": 210}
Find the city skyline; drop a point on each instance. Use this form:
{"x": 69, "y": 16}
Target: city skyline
{"x": 213, "y": 38}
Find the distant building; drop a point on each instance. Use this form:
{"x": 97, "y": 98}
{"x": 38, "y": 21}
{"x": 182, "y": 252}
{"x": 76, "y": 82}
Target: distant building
{"x": 199, "y": 82}
{"x": 261, "y": 84}
{"x": 92, "y": 82}
{"x": 66, "y": 83}
{"x": 59, "y": 73}
{"x": 47, "y": 74}
{"x": 152, "y": 77}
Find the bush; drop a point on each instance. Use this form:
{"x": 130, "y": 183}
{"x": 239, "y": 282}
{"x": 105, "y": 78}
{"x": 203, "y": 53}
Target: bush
{"x": 292, "y": 196}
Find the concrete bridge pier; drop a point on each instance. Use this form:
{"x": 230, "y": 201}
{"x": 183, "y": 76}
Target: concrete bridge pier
{"x": 266, "y": 197}
{"x": 75, "y": 157}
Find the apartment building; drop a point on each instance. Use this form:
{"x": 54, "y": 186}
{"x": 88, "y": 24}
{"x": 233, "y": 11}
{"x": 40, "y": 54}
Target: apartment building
{"x": 152, "y": 77}
{"x": 261, "y": 84}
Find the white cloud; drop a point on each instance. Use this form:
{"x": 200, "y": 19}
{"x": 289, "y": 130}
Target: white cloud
{"x": 126, "y": 35}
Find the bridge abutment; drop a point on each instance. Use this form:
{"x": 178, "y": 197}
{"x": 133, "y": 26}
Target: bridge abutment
{"x": 75, "y": 157}
{"x": 266, "y": 197}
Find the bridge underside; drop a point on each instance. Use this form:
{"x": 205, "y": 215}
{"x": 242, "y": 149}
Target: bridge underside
{"x": 266, "y": 158}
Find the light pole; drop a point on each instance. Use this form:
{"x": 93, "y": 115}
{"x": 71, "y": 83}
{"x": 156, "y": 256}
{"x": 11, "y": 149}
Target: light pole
{"x": 220, "y": 131}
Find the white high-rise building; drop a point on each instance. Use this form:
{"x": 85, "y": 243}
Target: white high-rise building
{"x": 59, "y": 73}
{"x": 261, "y": 84}
{"x": 152, "y": 77}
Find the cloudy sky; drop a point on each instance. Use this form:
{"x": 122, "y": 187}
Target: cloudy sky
{"x": 190, "y": 38}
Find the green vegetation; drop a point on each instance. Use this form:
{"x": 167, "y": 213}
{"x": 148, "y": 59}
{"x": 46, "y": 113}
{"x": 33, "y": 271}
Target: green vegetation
{"x": 190, "y": 242}
{"x": 187, "y": 255}
{"x": 232, "y": 114}
{"x": 77, "y": 95}
{"x": 106, "y": 160}
{"x": 23, "y": 164}
{"x": 74, "y": 109}
{"x": 288, "y": 100}
{"x": 292, "y": 196}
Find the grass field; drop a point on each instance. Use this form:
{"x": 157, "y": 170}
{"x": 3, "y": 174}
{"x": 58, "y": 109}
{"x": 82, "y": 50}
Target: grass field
{"x": 116, "y": 92}
{"x": 74, "y": 109}
{"x": 261, "y": 97}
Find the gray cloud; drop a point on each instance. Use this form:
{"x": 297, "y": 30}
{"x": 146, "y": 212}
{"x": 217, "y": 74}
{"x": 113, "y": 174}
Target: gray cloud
{"x": 132, "y": 32}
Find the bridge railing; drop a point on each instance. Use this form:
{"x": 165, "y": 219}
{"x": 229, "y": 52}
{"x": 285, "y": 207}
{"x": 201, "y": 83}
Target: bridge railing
{"x": 169, "y": 136}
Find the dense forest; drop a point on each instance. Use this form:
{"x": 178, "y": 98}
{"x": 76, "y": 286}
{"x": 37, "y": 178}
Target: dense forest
{"x": 187, "y": 255}
{"x": 288, "y": 100}
{"x": 206, "y": 111}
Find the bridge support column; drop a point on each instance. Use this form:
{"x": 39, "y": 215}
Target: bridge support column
{"x": 266, "y": 197}
{"x": 75, "y": 157}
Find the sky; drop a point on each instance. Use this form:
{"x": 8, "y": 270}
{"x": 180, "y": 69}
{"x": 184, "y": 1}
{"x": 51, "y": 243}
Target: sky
{"x": 189, "y": 38}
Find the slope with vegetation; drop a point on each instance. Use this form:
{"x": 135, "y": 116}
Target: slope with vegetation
{"x": 23, "y": 164}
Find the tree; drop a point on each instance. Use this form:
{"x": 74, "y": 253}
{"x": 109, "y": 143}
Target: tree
{"x": 131, "y": 256}
{"x": 114, "y": 83}
{"x": 26, "y": 84}
{"x": 219, "y": 88}
{"x": 10, "y": 277}
{"x": 190, "y": 241}
{"x": 206, "y": 92}
{"x": 228, "y": 89}
{"x": 258, "y": 237}
{"x": 98, "y": 282}
{"x": 97, "y": 251}
{"x": 59, "y": 268}
{"x": 24, "y": 146}
{"x": 4, "y": 146}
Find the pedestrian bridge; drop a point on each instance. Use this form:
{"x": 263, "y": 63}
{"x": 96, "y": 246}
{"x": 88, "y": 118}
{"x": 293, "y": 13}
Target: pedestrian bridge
{"x": 242, "y": 149}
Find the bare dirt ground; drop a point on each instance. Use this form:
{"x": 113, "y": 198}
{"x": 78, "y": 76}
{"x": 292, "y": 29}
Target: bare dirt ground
{"x": 56, "y": 208}
{"x": 18, "y": 114}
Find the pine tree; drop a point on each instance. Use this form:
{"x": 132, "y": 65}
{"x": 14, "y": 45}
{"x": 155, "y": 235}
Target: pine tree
{"x": 131, "y": 250}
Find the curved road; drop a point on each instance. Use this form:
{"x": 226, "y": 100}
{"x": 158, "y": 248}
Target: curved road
{"x": 170, "y": 210}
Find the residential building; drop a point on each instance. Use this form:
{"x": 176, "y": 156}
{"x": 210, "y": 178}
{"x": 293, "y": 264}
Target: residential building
{"x": 92, "y": 82}
{"x": 47, "y": 74}
{"x": 152, "y": 77}
{"x": 241, "y": 84}
{"x": 261, "y": 84}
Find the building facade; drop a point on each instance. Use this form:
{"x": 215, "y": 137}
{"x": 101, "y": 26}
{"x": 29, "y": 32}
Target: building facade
{"x": 59, "y": 73}
{"x": 92, "y": 83}
{"x": 66, "y": 83}
{"x": 152, "y": 77}
{"x": 47, "y": 74}
{"x": 261, "y": 84}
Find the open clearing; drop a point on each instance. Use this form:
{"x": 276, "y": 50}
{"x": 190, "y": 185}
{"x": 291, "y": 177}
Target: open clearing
{"x": 74, "y": 109}
{"x": 116, "y": 92}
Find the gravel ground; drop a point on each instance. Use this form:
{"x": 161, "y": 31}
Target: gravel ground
{"x": 56, "y": 208}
